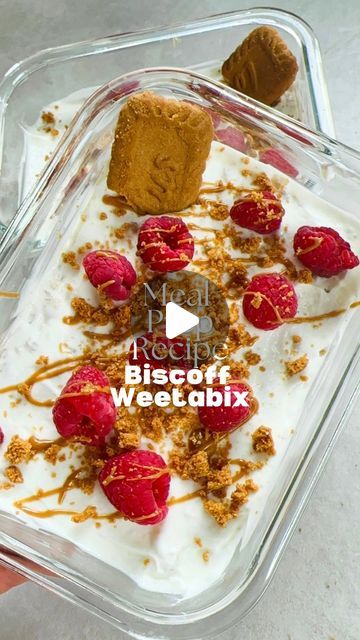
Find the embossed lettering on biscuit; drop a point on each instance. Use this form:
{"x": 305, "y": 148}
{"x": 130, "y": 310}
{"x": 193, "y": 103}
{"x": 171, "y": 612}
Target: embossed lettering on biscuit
{"x": 159, "y": 153}
{"x": 262, "y": 67}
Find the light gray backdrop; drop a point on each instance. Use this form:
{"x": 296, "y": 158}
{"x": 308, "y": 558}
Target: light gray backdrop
{"x": 316, "y": 592}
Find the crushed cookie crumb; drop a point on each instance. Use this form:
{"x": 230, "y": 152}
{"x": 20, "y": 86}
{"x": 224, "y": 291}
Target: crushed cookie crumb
{"x": 198, "y": 542}
{"x": 305, "y": 276}
{"x": 252, "y": 358}
{"x": 42, "y": 360}
{"x": 48, "y": 117}
{"x": 322, "y": 352}
{"x": 223, "y": 512}
{"x": 206, "y": 556}
{"x": 14, "y": 474}
{"x": 262, "y": 441}
{"x": 296, "y": 339}
{"x": 51, "y": 453}
{"x": 218, "y": 211}
{"x": 146, "y": 561}
{"x": 5, "y": 486}
{"x": 18, "y": 450}
{"x": 70, "y": 258}
{"x": 292, "y": 367}
{"x": 197, "y": 466}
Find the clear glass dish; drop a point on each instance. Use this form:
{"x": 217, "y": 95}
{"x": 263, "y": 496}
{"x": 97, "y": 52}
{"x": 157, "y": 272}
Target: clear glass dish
{"x": 52, "y": 74}
{"x": 325, "y": 167}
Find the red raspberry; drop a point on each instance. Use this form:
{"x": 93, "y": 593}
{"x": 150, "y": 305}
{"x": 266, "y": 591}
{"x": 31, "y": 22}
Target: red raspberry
{"x": 323, "y": 251}
{"x": 269, "y": 299}
{"x": 1, "y": 436}
{"x": 147, "y": 342}
{"x": 165, "y": 244}
{"x": 111, "y": 272}
{"x": 137, "y": 483}
{"x": 232, "y": 137}
{"x": 259, "y": 211}
{"x": 277, "y": 160}
{"x": 84, "y": 409}
{"x": 222, "y": 418}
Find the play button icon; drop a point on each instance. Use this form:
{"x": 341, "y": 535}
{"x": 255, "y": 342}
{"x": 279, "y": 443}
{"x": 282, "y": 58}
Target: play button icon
{"x": 178, "y": 320}
{"x": 184, "y": 307}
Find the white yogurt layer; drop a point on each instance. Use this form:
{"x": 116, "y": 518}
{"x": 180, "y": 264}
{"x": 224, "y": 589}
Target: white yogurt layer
{"x": 176, "y": 563}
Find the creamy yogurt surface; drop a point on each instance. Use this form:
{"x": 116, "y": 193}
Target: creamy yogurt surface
{"x": 168, "y": 557}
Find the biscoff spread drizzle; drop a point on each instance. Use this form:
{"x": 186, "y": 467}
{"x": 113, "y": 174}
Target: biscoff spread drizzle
{"x": 9, "y": 294}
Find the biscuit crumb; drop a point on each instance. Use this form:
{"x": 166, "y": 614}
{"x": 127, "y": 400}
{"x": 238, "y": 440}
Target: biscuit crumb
{"x": 70, "y": 258}
{"x": 262, "y": 441}
{"x": 5, "y": 486}
{"x": 305, "y": 276}
{"x": 223, "y": 512}
{"x": 51, "y": 453}
{"x": 296, "y": 339}
{"x": 252, "y": 358}
{"x": 146, "y": 561}
{"x": 14, "y": 474}
{"x": 18, "y": 450}
{"x": 292, "y": 367}
{"x": 48, "y": 117}
{"x": 206, "y": 556}
{"x": 219, "y": 211}
{"x": 198, "y": 542}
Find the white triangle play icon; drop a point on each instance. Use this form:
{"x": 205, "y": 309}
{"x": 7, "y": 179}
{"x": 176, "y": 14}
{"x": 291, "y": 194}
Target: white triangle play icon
{"x": 178, "y": 320}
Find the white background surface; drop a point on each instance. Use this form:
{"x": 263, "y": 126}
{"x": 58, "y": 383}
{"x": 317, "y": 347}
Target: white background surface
{"x": 315, "y": 594}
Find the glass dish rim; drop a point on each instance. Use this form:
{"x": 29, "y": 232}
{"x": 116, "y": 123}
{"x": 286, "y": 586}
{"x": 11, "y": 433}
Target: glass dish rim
{"x": 21, "y": 70}
{"x": 39, "y": 192}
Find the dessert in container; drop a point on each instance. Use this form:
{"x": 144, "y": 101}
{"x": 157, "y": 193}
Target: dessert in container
{"x": 322, "y": 167}
{"x": 46, "y": 77}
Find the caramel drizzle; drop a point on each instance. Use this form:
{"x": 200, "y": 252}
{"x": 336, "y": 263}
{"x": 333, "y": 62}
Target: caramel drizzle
{"x": 41, "y": 445}
{"x": 315, "y": 245}
{"x": 46, "y": 372}
{"x": 184, "y": 498}
{"x": 61, "y": 492}
{"x": 303, "y": 319}
{"x": 322, "y": 316}
{"x": 9, "y": 294}
{"x": 103, "y": 286}
{"x": 159, "y": 472}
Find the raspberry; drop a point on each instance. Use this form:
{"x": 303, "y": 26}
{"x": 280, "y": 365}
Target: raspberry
{"x": 232, "y": 137}
{"x": 323, "y": 251}
{"x": 1, "y": 436}
{"x": 269, "y": 299}
{"x": 137, "y": 483}
{"x": 84, "y": 409}
{"x": 259, "y": 211}
{"x": 170, "y": 353}
{"x": 165, "y": 244}
{"x": 277, "y": 160}
{"x": 111, "y": 272}
{"x": 222, "y": 418}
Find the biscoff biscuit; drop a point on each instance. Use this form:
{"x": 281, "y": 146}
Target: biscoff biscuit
{"x": 159, "y": 153}
{"x": 262, "y": 67}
